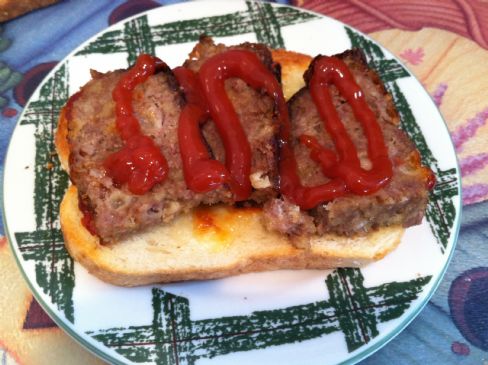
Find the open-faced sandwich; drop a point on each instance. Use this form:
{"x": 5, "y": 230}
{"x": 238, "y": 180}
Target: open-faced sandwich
{"x": 207, "y": 170}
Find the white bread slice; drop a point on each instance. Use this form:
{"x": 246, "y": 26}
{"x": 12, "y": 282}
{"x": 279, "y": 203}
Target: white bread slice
{"x": 293, "y": 65}
{"x": 235, "y": 243}
{"x": 238, "y": 243}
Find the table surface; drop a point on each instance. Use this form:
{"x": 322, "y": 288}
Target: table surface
{"x": 443, "y": 42}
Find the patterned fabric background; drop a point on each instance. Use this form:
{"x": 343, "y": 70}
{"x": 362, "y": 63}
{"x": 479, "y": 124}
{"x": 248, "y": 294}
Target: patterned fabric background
{"x": 444, "y": 43}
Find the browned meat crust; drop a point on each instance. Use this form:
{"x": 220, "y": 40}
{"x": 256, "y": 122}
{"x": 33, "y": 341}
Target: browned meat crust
{"x": 402, "y": 201}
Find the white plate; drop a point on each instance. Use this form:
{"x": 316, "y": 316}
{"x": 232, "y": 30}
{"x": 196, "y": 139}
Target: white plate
{"x": 285, "y": 317}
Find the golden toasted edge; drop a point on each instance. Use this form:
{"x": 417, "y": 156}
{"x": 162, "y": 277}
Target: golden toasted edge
{"x": 293, "y": 66}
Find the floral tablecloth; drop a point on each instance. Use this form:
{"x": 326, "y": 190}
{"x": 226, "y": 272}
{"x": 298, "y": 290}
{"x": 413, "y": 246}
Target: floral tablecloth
{"x": 443, "y": 42}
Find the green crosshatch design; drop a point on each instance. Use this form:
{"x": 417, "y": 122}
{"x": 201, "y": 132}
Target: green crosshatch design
{"x": 265, "y": 24}
{"x": 441, "y": 211}
{"x": 173, "y": 338}
{"x": 262, "y": 19}
{"x": 137, "y": 35}
{"x": 45, "y": 246}
{"x": 390, "y": 70}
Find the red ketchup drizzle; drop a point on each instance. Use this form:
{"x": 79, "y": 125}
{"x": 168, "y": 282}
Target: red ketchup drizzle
{"x": 141, "y": 165}
{"x": 247, "y": 66}
{"x": 213, "y": 73}
{"x": 331, "y": 70}
{"x": 87, "y": 220}
{"x": 344, "y": 170}
{"x": 202, "y": 173}
{"x": 140, "y": 162}
{"x": 430, "y": 179}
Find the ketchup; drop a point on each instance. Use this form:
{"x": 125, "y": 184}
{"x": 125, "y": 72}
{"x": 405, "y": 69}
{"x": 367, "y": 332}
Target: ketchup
{"x": 140, "y": 162}
{"x": 332, "y": 70}
{"x": 212, "y": 75}
{"x": 141, "y": 165}
{"x": 87, "y": 219}
{"x": 344, "y": 170}
{"x": 430, "y": 179}
{"x": 202, "y": 173}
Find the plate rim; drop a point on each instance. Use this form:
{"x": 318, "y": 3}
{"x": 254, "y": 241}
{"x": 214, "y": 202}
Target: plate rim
{"x": 86, "y": 341}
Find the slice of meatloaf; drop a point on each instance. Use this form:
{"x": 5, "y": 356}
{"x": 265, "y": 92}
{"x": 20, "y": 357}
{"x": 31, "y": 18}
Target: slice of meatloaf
{"x": 402, "y": 201}
{"x": 92, "y": 136}
{"x": 255, "y": 111}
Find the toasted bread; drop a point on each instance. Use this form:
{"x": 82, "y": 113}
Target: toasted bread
{"x": 181, "y": 250}
{"x": 235, "y": 242}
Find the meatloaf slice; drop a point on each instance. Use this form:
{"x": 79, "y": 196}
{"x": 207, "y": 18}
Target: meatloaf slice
{"x": 402, "y": 201}
{"x": 92, "y": 136}
{"x": 255, "y": 110}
